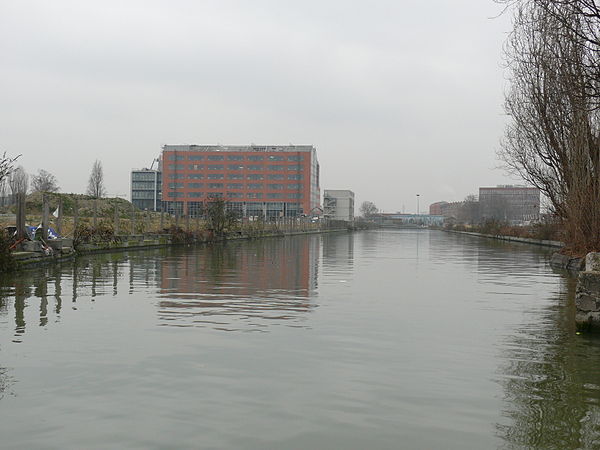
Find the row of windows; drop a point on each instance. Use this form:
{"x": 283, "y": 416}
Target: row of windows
{"x": 142, "y": 194}
{"x": 143, "y": 185}
{"x": 235, "y": 195}
{"x": 143, "y": 176}
{"x": 235, "y": 176}
{"x": 293, "y": 167}
{"x": 175, "y": 157}
{"x": 271, "y": 186}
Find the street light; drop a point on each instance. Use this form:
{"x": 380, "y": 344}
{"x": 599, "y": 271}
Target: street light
{"x": 418, "y": 195}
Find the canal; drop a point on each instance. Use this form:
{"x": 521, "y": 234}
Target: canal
{"x": 378, "y": 339}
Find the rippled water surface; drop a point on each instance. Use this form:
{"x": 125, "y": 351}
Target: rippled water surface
{"x": 380, "y": 339}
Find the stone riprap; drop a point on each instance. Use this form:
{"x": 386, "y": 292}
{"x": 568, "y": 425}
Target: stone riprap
{"x": 587, "y": 297}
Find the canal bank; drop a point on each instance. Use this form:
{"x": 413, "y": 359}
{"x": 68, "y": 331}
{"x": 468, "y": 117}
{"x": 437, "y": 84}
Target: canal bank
{"x": 23, "y": 260}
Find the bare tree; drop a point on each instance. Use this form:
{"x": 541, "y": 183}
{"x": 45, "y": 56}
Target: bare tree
{"x": 468, "y": 211}
{"x": 553, "y": 138}
{"x": 18, "y": 182}
{"x": 96, "y": 182}
{"x": 368, "y": 209}
{"x": 44, "y": 182}
{"x": 6, "y": 166}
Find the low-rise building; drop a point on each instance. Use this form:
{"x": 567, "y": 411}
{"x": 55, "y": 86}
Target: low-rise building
{"x": 338, "y": 204}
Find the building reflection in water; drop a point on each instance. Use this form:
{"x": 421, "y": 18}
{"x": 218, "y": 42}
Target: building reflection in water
{"x": 241, "y": 285}
{"x": 338, "y": 252}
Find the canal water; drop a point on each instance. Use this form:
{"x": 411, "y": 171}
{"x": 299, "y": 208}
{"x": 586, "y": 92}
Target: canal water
{"x": 379, "y": 339}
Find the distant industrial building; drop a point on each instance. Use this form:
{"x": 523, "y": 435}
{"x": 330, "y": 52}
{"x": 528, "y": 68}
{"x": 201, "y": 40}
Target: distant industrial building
{"x": 509, "y": 203}
{"x": 401, "y": 220}
{"x": 146, "y": 187}
{"x": 338, "y": 204}
{"x": 435, "y": 209}
{"x": 256, "y": 181}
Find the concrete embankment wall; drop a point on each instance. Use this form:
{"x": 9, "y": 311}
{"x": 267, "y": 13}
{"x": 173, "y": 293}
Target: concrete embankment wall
{"x": 542, "y": 242}
{"x": 25, "y": 260}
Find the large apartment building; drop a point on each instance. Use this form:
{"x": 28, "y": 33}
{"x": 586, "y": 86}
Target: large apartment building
{"x": 257, "y": 181}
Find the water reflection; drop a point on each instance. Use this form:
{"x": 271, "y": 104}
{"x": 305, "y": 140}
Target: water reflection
{"x": 551, "y": 381}
{"x": 227, "y": 286}
{"x": 240, "y": 285}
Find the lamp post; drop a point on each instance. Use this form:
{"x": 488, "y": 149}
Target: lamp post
{"x": 418, "y": 195}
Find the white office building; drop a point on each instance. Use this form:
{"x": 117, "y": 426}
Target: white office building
{"x": 338, "y": 204}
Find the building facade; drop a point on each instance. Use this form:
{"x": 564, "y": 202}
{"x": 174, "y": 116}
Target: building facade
{"x": 509, "y": 203}
{"x": 338, "y": 204}
{"x": 256, "y": 181}
{"x": 436, "y": 208}
{"x": 146, "y": 188}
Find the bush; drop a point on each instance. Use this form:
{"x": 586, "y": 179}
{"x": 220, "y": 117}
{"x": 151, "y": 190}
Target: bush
{"x": 6, "y": 259}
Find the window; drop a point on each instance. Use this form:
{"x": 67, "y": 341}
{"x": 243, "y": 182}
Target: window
{"x": 276, "y": 158}
{"x": 235, "y": 157}
{"x": 215, "y": 167}
{"x": 296, "y": 158}
{"x": 215, "y": 195}
{"x": 296, "y": 167}
{"x": 274, "y": 186}
{"x": 176, "y": 157}
{"x": 254, "y": 167}
{"x": 256, "y": 158}
{"x": 195, "y": 185}
{"x": 176, "y": 166}
{"x": 235, "y": 186}
{"x": 175, "y": 194}
{"x": 195, "y": 194}
{"x": 215, "y": 185}
{"x": 235, "y": 195}
{"x": 294, "y": 186}
{"x": 295, "y": 176}
{"x": 275, "y": 176}
{"x": 195, "y": 176}
{"x": 176, "y": 176}
{"x": 254, "y": 195}
{"x": 215, "y": 176}
{"x": 235, "y": 176}
{"x": 196, "y": 166}
{"x": 196, "y": 157}
{"x": 256, "y": 176}
{"x": 295, "y": 195}
{"x": 275, "y": 167}
{"x": 235, "y": 167}
{"x": 215, "y": 157}
{"x": 175, "y": 185}
{"x": 255, "y": 185}
{"x": 274, "y": 195}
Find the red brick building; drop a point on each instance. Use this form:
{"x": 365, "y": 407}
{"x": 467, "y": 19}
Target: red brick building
{"x": 258, "y": 181}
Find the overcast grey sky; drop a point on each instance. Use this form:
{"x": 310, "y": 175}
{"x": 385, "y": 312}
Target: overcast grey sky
{"x": 400, "y": 97}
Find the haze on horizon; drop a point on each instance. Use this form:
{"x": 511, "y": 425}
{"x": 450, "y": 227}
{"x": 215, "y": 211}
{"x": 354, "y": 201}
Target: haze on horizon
{"x": 399, "y": 98}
